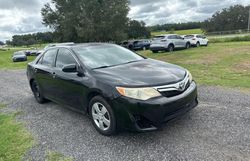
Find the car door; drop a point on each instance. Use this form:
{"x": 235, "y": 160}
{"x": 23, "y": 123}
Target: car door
{"x": 69, "y": 87}
{"x": 44, "y": 70}
{"x": 176, "y": 41}
{"x": 182, "y": 41}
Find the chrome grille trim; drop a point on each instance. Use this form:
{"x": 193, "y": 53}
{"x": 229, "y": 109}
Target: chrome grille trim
{"x": 180, "y": 86}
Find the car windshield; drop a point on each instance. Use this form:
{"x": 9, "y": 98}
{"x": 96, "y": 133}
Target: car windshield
{"x": 19, "y": 53}
{"x": 102, "y": 56}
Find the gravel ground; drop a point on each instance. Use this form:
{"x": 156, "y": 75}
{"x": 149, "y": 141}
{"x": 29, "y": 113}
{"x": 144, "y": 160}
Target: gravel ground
{"x": 218, "y": 129}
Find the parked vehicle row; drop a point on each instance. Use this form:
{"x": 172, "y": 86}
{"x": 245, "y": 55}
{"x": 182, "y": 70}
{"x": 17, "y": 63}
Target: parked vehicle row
{"x": 168, "y": 42}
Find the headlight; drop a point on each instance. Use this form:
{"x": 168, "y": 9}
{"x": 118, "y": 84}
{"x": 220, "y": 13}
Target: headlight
{"x": 190, "y": 77}
{"x": 138, "y": 93}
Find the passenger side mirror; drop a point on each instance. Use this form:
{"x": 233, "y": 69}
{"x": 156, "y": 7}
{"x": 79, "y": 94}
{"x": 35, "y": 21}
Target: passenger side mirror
{"x": 71, "y": 68}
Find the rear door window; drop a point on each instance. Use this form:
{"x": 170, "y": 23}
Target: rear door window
{"x": 49, "y": 58}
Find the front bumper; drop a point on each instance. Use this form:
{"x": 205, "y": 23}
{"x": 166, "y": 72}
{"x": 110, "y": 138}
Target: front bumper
{"x": 149, "y": 115}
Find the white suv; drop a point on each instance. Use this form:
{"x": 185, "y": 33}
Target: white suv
{"x": 168, "y": 43}
{"x": 197, "y": 40}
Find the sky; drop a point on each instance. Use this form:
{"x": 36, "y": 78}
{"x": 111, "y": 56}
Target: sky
{"x": 23, "y": 16}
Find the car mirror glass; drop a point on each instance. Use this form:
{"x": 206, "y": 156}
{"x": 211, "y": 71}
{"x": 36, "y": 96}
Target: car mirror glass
{"x": 70, "y": 68}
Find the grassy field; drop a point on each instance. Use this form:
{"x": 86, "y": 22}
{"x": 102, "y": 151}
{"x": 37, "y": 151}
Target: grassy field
{"x": 14, "y": 139}
{"x": 6, "y": 61}
{"x": 180, "y": 32}
{"x": 223, "y": 64}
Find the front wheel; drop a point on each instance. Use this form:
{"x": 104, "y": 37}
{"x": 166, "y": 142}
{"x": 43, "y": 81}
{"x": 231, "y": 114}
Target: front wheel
{"x": 102, "y": 116}
{"x": 188, "y": 45}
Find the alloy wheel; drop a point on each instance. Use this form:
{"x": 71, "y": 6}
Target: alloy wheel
{"x": 101, "y": 116}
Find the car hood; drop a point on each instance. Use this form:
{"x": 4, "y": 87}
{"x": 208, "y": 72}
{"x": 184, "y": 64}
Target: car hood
{"x": 147, "y": 72}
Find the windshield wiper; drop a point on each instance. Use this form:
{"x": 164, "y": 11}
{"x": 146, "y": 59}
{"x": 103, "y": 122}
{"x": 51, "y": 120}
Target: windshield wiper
{"x": 105, "y": 66}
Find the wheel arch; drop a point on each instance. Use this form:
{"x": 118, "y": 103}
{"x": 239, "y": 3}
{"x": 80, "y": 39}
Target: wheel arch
{"x": 91, "y": 95}
{"x": 171, "y": 44}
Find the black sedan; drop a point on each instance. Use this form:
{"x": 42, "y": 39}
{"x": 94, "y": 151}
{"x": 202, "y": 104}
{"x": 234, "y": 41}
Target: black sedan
{"x": 118, "y": 88}
{"x": 19, "y": 56}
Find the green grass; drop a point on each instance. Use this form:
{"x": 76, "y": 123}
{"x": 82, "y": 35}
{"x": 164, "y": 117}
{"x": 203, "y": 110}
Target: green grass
{"x": 14, "y": 139}
{"x": 55, "y": 156}
{"x": 222, "y": 64}
{"x": 230, "y": 39}
{"x": 6, "y": 60}
{"x": 180, "y": 32}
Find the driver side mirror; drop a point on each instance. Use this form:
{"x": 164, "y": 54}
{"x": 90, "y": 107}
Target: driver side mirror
{"x": 70, "y": 68}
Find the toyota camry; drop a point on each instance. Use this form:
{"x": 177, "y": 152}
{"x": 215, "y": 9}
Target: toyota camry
{"x": 118, "y": 88}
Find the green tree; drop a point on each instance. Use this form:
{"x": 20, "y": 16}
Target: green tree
{"x": 232, "y": 18}
{"x": 137, "y": 29}
{"x": 87, "y": 20}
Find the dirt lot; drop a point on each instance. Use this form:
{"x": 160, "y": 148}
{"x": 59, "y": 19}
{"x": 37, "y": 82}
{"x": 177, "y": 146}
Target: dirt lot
{"x": 218, "y": 129}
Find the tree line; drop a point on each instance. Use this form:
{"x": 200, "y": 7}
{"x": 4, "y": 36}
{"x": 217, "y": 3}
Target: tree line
{"x": 232, "y": 18}
{"x": 107, "y": 20}
{"x": 30, "y": 39}
{"x": 176, "y": 26}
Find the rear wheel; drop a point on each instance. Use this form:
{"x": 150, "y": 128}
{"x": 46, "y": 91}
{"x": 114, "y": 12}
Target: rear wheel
{"x": 102, "y": 116}
{"x": 188, "y": 45}
{"x": 198, "y": 44}
{"x": 170, "y": 48}
{"x": 37, "y": 93}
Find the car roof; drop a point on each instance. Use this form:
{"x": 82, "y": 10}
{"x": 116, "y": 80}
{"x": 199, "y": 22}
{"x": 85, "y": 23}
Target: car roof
{"x": 167, "y": 35}
{"x": 82, "y": 45}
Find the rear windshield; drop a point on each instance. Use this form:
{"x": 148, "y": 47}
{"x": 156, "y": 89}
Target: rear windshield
{"x": 189, "y": 36}
{"x": 158, "y": 37}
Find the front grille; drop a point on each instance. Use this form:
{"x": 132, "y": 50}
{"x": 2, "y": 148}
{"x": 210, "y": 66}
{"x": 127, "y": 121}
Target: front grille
{"x": 176, "y": 89}
{"x": 175, "y": 92}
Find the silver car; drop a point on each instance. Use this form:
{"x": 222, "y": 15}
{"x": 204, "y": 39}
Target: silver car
{"x": 168, "y": 43}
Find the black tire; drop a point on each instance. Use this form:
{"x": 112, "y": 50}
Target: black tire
{"x": 198, "y": 44}
{"x": 170, "y": 48}
{"x": 188, "y": 45}
{"x": 155, "y": 51}
{"x": 130, "y": 47}
{"x": 112, "y": 128}
{"x": 37, "y": 93}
